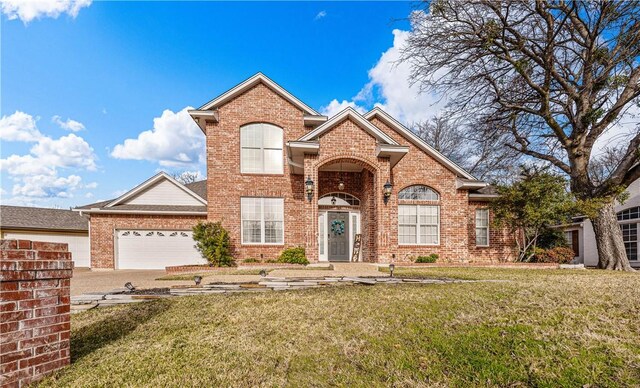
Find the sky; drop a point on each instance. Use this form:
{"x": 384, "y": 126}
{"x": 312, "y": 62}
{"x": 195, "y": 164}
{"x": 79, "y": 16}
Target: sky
{"x": 94, "y": 94}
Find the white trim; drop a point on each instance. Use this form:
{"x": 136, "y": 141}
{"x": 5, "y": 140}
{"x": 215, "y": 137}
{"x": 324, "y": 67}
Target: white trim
{"x": 349, "y": 113}
{"x": 149, "y": 182}
{"x": 118, "y": 211}
{"x": 251, "y": 82}
{"x": 483, "y": 227}
{"x": 314, "y": 120}
{"x": 262, "y": 223}
{"x": 483, "y": 197}
{"x": 417, "y": 141}
{"x": 470, "y": 185}
{"x": 304, "y": 145}
{"x": 418, "y": 224}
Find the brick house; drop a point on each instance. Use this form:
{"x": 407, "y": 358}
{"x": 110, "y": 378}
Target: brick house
{"x": 281, "y": 175}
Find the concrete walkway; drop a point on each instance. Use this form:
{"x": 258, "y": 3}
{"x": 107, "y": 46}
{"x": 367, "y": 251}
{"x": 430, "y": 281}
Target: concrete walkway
{"x": 86, "y": 281}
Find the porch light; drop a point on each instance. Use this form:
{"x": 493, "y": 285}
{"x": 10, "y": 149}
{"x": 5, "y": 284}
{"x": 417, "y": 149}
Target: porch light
{"x": 197, "y": 279}
{"x": 309, "y": 188}
{"x": 341, "y": 186}
{"x": 130, "y": 286}
{"x": 391, "y": 268}
{"x": 386, "y": 190}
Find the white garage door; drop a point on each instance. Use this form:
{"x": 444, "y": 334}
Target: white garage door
{"x": 78, "y": 243}
{"x": 155, "y": 249}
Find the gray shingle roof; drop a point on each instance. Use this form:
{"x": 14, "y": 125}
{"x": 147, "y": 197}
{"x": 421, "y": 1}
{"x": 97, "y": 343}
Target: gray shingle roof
{"x": 20, "y": 217}
{"x": 199, "y": 187}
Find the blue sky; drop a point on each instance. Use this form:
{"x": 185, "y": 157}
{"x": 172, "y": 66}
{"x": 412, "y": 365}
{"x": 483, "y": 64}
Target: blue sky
{"x": 77, "y": 82}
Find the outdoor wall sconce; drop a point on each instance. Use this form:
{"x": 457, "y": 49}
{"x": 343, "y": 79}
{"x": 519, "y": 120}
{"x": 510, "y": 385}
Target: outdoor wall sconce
{"x": 386, "y": 190}
{"x": 309, "y": 188}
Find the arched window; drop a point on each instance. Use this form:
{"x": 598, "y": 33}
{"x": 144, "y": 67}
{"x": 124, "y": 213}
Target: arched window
{"x": 338, "y": 199}
{"x": 418, "y": 224}
{"x": 261, "y": 149}
{"x": 629, "y": 214}
{"x": 420, "y": 193}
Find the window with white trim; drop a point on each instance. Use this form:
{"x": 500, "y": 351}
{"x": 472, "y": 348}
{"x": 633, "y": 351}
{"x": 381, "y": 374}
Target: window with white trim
{"x": 482, "y": 227}
{"x": 418, "y": 225}
{"x": 262, "y": 220}
{"x": 419, "y": 193}
{"x": 261, "y": 149}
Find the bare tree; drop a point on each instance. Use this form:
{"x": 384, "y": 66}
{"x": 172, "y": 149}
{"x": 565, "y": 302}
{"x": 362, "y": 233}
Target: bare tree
{"x": 553, "y": 75}
{"x": 486, "y": 156}
{"x": 186, "y": 177}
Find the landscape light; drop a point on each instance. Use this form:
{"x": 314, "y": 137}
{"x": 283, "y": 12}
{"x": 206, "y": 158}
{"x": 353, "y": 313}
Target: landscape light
{"x": 391, "y": 268}
{"x": 130, "y": 286}
{"x": 263, "y": 273}
{"x": 197, "y": 279}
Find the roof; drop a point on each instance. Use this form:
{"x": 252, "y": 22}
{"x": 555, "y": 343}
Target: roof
{"x": 349, "y": 113}
{"x": 408, "y": 134}
{"x": 198, "y": 188}
{"x": 21, "y": 217}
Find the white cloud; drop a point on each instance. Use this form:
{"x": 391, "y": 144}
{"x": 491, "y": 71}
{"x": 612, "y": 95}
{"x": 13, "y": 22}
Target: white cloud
{"x": 320, "y": 15}
{"x": 35, "y": 175}
{"x": 174, "y": 141}
{"x": 28, "y": 10}
{"x": 69, "y": 125}
{"x": 390, "y": 89}
{"x": 42, "y": 186}
{"x": 19, "y": 127}
{"x": 91, "y": 185}
{"x": 88, "y": 195}
{"x": 69, "y": 151}
{"x": 337, "y": 107}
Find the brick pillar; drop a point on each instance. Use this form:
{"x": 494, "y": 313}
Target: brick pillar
{"x": 385, "y": 213}
{"x": 34, "y": 310}
{"x": 311, "y": 208}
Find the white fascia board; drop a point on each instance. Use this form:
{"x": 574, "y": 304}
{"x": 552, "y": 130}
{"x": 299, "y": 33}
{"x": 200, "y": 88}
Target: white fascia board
{"x": 355, "y": 116}
{"x": 201, "y": 117}
{"x": 251, "y": 82}
{"x": 149, "y": 182}
{"x": 406, "y": 132}
{"x": 312, "y": 120}
{"x": 470, "y": 185}
{"x": 483, "y": 197}
{"x": 305, "y": 145}
{"x": 116, "y": 211}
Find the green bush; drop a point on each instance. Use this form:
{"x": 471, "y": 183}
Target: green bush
{"x": 557, "y": 255}
{"x": 551, "y": 238}
{"x": 212, "y": 240}
{"x": 251, "y": 260}
{"x": 432, "y": 258}
{"x": 293, "y": 256}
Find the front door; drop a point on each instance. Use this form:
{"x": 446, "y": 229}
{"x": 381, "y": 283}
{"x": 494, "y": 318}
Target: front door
{"x": 338, "y": 225}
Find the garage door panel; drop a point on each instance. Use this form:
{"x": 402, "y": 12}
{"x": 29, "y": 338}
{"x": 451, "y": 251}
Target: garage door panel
{"x": 156, "y": 249}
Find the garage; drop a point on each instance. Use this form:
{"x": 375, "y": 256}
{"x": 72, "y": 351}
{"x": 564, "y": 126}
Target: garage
{"x": 155, "y": 249}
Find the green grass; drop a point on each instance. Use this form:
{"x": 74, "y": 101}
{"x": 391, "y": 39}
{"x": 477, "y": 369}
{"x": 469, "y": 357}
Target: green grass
{"x": 230, "y": 271}
{"x": 534, "y": 328}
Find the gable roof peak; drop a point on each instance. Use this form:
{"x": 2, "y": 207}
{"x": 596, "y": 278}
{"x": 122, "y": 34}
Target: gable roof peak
{"x": 249, "y": 83}
{"x": 359, "y": 119}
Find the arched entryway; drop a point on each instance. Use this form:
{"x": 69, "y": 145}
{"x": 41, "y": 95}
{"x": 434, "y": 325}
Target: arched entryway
{"x": 346, "y": 211}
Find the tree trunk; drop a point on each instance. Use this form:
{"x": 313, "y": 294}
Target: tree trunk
{"x": 611, "y": 252}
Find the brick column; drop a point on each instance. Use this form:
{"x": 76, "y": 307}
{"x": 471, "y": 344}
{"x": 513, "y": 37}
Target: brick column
{"x": 311, "y": 208}
{"x": 386, "y": 212}
{"x": 34, "y": 310}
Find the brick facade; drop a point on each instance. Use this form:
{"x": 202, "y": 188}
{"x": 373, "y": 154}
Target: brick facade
{"x": 34, "y": 310}
{"x": 103, "y": 227}
{"x": 346, "y": 143}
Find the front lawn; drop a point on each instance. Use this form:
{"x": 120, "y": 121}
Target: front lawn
{"x": 533, "y": 328}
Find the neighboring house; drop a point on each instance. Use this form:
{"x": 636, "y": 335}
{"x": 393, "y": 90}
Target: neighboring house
{"x": 581, "y": 237}
{"x": 52, "y": 225}
{"x": 281, "y": 175}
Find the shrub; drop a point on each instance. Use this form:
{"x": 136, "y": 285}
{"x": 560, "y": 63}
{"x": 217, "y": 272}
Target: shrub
{"x": 551, "y": 238}
{"x": 293, "y": 256}
{"x": 558, "y": 255}
{"x": 432, "y": 258}
{"x": 212, "y": 240}
{"x": 250, "y": 260}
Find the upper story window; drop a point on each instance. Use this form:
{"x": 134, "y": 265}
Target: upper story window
{"x": 419, "y": 193}
{"x": 629, "y": 214}
{"x": 261, "y": 149}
